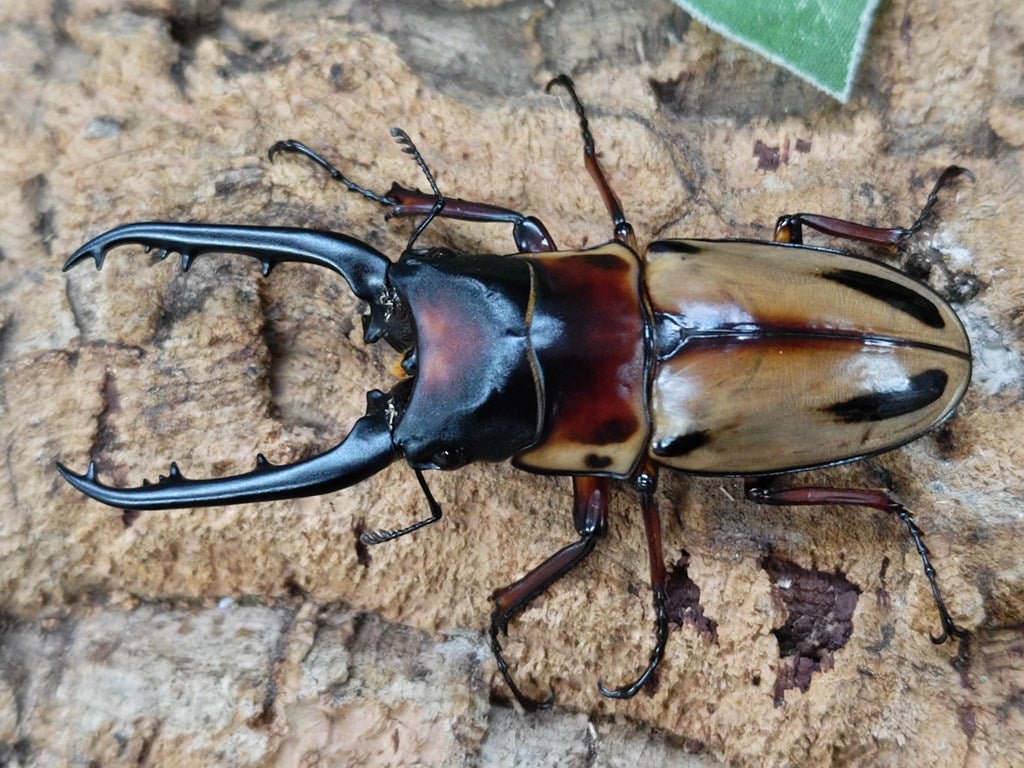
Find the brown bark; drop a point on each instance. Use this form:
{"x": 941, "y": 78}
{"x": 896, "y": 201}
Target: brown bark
{"x": 215, "y": 636}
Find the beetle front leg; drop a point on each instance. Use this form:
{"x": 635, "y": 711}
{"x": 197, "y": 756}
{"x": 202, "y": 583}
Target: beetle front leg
{"x": 789, "y": 228}
{"x": 646, "y": 484}
{"x": 763, "y": 491}
{"x": 381, "y": 535}
{"x": 590, "y": 517}
{"x": 529, "y": 232}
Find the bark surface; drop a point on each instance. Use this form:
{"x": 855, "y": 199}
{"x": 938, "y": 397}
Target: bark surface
{"x": 263, "y": 635}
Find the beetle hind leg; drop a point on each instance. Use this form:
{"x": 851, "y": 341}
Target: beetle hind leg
{"x": 789, "y": 228}
{"x": 646, "y": 484}
{"x": 590, "y": 514}
{"x": 763, "y": 491}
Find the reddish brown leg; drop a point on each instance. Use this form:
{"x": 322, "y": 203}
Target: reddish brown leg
{"x": 530, "y": 234}
{"x": 623, "y": 229}
{"x": 646, "y": 484}
{"x": 789, "y": 228}
{"x": 762, "y": 490}
{"x": 590, "y": 517}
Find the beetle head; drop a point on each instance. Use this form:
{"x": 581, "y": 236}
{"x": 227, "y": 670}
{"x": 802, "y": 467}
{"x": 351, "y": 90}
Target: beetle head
{"x": 474, "y": 393}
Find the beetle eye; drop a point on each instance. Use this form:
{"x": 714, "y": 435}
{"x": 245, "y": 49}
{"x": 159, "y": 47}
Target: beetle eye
{"x": 449, "y": 458}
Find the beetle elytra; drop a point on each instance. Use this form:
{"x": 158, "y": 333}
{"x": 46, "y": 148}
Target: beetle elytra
{"x": 733, "y": 357}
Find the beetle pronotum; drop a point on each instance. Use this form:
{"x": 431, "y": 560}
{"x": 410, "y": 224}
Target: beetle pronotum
{"x": 605, "y": 364}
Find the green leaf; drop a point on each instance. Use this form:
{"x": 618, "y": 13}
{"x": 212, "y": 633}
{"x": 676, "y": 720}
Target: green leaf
{"x": 820, "y": 40}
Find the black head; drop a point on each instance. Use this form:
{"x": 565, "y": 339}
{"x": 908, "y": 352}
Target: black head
{"x": 474, "y": 394}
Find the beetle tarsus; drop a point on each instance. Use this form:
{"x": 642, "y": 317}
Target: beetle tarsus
{"x": 381, "y": 535}
{"x": 949, "y": 627}
{"x": 948, "y": 175}
{"x": 528, "y": 703}
{"x": 632, "y": 689}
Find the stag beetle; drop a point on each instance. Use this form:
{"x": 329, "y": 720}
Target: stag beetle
{"x": 711, "y": 357}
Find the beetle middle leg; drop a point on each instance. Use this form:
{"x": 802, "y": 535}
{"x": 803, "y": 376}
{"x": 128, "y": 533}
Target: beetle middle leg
{"x": 623, "y": 229}
{"x": 590, "y": 511}
{"x": 646, "y": 484}
{"x": 590, "y": 518}
{"x": 763, "y": 491}
{"x": 789, "y": 228}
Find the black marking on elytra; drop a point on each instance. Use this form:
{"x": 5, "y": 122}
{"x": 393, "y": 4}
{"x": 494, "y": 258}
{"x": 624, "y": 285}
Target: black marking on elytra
{"x": 682, "y": 445}
{"x": 613, "y": 431}
{"x": 673, "y": 246}
{"x": 897, "y": 296}
{"x": 921, "y": 390}
{"x": 595, "y": 461}
{"x": 608, "y": 261}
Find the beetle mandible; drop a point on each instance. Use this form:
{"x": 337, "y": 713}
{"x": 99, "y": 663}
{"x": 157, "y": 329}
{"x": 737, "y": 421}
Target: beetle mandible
{"x": 710, "y": 357}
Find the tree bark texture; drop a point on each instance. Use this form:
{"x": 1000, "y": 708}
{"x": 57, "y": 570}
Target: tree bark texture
{"x": 263, "y": 635}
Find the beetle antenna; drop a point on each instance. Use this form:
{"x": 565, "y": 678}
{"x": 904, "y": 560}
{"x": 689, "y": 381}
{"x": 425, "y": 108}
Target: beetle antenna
{"x": 382, "y": 534}
{"x": 291, "y": 145}
{"x": 409, "y": 148}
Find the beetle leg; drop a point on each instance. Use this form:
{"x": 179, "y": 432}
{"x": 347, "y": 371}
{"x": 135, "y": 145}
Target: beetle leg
{"x": 590, "y": 515}
{"x": 789, "y": 228}
{"x": 530, "y": 234}
{"x": 762, "y": 490}
{"x": 646, "y": 484}
{"x": 382, "y": 534}
{"x": 623, "y": 229}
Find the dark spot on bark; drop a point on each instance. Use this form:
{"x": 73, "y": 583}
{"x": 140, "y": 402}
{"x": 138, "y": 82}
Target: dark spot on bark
{"x": 897, "y": 296}
{"x": 768, "y": 158}
{"x": 882, "y": 593}
{"x": 187, "y": 26}
{"x": 946, "y": 440}
{"x": 294, "y": 589}
{"x": 921, "y": 390}
{"x": 336, "y": 77}
{"x": 682, "y": 603}
{"x": 888, "y": 633}
{"x": 906, "y": 24}
{"x": 682, "y": 445}
{"x": 803, "y": 145}
{"x": 362, "y": 551}
{"x": 595, "y": 461}
{"x": 819, "y": 621}
{"x": 968, "y": 723}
